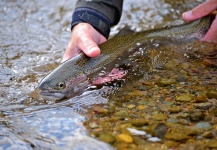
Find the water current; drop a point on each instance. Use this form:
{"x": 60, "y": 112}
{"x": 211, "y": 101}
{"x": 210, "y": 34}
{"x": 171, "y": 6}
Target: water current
{"x": 33, "y": 38}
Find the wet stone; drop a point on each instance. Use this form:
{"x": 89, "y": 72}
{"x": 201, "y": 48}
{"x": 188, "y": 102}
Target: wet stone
{"x": 213, "y": 112}
{"x": 203, "y": 106}
{"x": 191, "y": 147}
{"x": 174, "y": 109}
{"x": 203, "y": 125}
{"x": 160, "y": 130}
{"x": 139, "y": 122}
{"x": 168, "y": 103}
{"x": 159, "y": 117}
{"x": 183, "y": 121}
{"x": 182, "y": 115}
{"x": 185, "y": 65}
{"x": 141, "y": 107}
{"x": 165, "y": 82}
{"x": 201, "y": 98}
{"x": 197, "y": 116}
{"x": 93, "y": 125}
{"x": 137, "y": 93}
{"x": 181, "y": 78}
{"x": 208, "y": 134}
{"x": 131, "y": 106}
{"x": 191, "y": 131}
{"x": 147, "y": 83}
{"x": 210, "y": 62}
{"x": 121, "y": 114}
{"x": 213, "y": 144}
{"x": 185, "y": 97}
{"x": 125, "y": 146}
{"x": 125, "y": 138}
{"x": 138, "y": 140}
{"x": 177, "y": 136}
{"x": 212, "y": 94}
{"x": 171, "y": 143}
{"x": 107, "y": 137}
{"x": 174, "y": 125}
{"x": 172, "y": 120}
{"x": 100, "y": 110}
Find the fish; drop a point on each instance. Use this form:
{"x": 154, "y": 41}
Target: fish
{"x": 74, "y": 76}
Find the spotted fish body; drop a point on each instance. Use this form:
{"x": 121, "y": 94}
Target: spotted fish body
{"x": 74, "y": 75}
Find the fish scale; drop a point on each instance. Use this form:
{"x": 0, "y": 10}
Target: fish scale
{"x": 113, "y": 52}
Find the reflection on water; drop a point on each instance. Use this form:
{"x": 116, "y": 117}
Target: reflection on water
{"x": 33, "y": 37}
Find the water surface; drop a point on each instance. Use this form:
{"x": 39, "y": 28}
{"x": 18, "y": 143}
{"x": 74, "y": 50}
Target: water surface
{"x": 34, "y": 35}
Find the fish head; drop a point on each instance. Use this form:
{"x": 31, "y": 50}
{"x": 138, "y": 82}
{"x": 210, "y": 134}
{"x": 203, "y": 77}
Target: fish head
{"x": 63, "y": 83}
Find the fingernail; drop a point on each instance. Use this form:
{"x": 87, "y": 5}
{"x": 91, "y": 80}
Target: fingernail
{"x": 93, "y": 49}
{"x": 93, "y": 52}
{"x": 187, "y": 14}
{"x": 64, "y": 59}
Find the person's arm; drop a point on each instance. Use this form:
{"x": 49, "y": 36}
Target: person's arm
{"x": 91, "y": 23}
{"x": 200, "y": 11}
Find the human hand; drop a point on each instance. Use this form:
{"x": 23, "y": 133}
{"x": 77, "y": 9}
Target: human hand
{"x": 201, "y": 11}
{"x": 84, "y": 37}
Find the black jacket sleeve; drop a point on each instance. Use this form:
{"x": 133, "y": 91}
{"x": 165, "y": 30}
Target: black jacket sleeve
{"x": 101, "y": 14}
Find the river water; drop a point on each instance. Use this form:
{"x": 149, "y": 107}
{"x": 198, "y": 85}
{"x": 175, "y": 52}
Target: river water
{"x": 33, "y": 37}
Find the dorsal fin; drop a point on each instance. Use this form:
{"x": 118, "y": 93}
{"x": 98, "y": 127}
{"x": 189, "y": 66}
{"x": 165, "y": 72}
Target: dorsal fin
{"x": 126, "y": 30}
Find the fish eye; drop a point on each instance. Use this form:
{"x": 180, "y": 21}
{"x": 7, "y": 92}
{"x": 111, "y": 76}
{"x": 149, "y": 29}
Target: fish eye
{"x": 61, "y": 85}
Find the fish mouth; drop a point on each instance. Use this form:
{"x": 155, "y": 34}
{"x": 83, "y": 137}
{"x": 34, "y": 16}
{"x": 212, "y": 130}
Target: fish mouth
{"x": 48, "y": 95}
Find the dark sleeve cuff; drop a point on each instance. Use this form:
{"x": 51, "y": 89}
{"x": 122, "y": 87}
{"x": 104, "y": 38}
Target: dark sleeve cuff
{"x": 96, "y": 19}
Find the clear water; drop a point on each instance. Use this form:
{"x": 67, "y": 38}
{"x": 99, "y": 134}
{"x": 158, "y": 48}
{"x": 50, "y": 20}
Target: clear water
{"x": 33, "y": 37}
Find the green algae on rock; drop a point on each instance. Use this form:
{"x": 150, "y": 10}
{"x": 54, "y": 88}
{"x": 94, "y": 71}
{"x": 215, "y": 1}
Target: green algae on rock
{"x": 185, "y": 97}
{"x": 107, "y": 137}
{"x": 139, "y": 122}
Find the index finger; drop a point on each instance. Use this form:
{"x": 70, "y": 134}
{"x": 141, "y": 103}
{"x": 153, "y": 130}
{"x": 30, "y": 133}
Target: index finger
{"x": 201, "y": 10}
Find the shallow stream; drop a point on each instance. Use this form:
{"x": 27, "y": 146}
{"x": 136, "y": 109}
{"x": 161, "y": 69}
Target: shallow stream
{"x": 177, "y": 96}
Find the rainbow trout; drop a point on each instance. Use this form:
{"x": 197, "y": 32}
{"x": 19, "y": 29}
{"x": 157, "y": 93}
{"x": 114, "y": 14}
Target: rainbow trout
{"x": 73, "y": 76}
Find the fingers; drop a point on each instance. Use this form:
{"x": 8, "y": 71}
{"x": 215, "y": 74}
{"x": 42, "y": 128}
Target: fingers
{"x": 84, "y": 38}
{"x": 89, "y": 46}
{"x": 200, "y": 11}
{"x": 211, "y": 35}
{"x": 70, "y": 52}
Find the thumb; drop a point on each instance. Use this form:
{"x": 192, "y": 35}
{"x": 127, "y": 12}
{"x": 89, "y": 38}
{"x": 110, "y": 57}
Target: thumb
{"x": 89, "y": 46}
{"x": 200, "y": 11}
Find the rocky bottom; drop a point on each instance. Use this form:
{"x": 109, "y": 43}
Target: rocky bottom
{"x": 174, "y": 107}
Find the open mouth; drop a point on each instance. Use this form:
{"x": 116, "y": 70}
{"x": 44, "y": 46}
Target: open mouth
{"x": 48, "y": 95}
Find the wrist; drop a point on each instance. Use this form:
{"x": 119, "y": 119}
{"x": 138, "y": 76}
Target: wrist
{"x": 92, "y": 17}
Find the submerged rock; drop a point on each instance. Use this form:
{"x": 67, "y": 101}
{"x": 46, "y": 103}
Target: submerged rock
{"x": 177, "y": 136}
{"x": 197, "y": 116}
{"x": 125, "y": 138}
{"x": 139, "y": 122}
{"x": 165, "y": 82}
{"x": 100, "y": 110}
{"x": 141, "y": 107}
{"x": 136, "y": 132}
{"x": 175, "y": 109}
{"x": 160, "y": 130}
{"x": 203, "y": 125}
{"x": 213, "y": 144}
{"x": 159, "y": 117}
{"x": 212, "y": 94}
{"x": 121, "y": 114}
{"x": 107, "y": 137}
{"x": 208, "y": 134}
{"x": 201, "y": 98}
{"x": 172, "y": 120}
{"x": 185, "y": 97}
{"x": 131, "y": 106}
